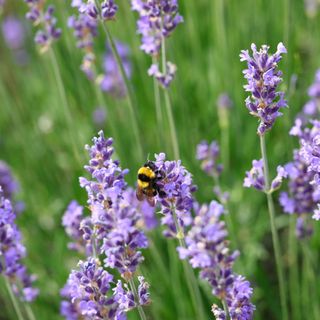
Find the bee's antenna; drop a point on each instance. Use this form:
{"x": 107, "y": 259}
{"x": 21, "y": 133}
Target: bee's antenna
{"x": 148, "y": 156}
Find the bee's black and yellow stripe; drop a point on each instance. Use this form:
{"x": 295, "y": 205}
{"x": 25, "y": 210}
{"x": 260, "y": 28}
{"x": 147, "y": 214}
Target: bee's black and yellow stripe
{"x": 145, "y": 176}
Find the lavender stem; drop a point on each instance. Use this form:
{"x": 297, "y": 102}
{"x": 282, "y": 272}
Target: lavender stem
{"x": 225, "y": 308}
{"x": 64, "y": 100}
{"x": 275, "y": 238}
{"x": 135, "y": 292}
{"x": 13, "y": 299}
{"x": 130, "y": 98}
{"x": 29, "y": 312}
{"x": 173, "y": 130}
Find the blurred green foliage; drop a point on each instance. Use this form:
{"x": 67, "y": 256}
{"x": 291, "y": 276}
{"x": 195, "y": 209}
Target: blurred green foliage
{"x": 36, "y": 140}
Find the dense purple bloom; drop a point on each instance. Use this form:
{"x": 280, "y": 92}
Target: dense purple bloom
{"x": 208, "y": 154}
{"x": 207, "y": 249}
{"x": 178, "y": 202}
{"x": 39, "y": 16}
{"x": 112, "y": 81}
{"x": 263, "y": 79}
{"x": 89, "y": 291}
{"x": 12, "y": 252}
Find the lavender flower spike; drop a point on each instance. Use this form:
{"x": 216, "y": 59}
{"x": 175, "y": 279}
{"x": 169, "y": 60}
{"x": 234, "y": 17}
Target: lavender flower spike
{"x": 45, "y": 18}
{"x": 263, "y": 79}
{"x": 12, "y": 252}
{"x": 207, "y": 249}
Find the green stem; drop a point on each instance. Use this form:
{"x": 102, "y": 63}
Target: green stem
{"x": 13, "y": 299}
{"x": 157, "y": 101}
{"x": 129, "y": 96}
{"x": 29, "y": 312}
{"x": 275, "y": 239}
{"x": 225, "y": 308}
{"x": 139, "y": 307}
{"x": 294, "y": 272}
{"x": 189, "y": 273}
{"x": 173, "y": 131}
{"x": 64, "y": 100}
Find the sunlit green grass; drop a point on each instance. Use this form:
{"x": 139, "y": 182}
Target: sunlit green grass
{"x": 206, "y": 50}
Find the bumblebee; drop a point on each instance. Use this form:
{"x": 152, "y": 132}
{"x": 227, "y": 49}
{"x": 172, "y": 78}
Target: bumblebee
{"x": 147, "y": 184}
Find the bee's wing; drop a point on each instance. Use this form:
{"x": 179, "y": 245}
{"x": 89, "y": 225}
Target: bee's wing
{"x": 140, "y": 195}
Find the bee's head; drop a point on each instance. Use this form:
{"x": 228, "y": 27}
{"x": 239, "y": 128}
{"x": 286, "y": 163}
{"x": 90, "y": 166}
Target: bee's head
{"x": 151, "y": 165}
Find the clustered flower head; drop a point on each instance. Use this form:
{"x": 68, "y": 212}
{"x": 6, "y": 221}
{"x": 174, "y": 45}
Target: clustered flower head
{"x": 305, "y": 168}
{"x": 302, "y": 196}
{"x": 92, "y": 294}
{"x": 207, "y": 249}
{"x": 12, "y": 251}
{"x": 106, "y": 10}
{"x": 255, "y": 177}
{"x": 177, "y": 203}
{"x": 158, "y": 19}
{"x": 263, "y": 79}
{"x": 112, "y": 232}
{"x": 45, "y": 18}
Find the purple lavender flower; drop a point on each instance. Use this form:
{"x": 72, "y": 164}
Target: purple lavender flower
{"x": 207, "y": 249}
{"x": 263, "y": 79}
{"x": 8, "y": 183}
{"x": 13, "y": 33}
{"x": 49, "y": 32}
{"x": 99, "y": 116}
{"x": 143, "y": 291}
{"x": 255, "y": 177}
{"x": 177, "y": 203}
{"x": 208, "y": 154}
{"x": 112, "y": 81}
{"x": 85, "y": 30}
{"x": 158, "y": 19}
{"x": 224, "y": 101}
{"x": 88, "y": 289}
{"x": 108, "y": 9}
{"x": 78, "y": 228}
{"x": 164, "y": 78}
{"x": 12, "y": 252}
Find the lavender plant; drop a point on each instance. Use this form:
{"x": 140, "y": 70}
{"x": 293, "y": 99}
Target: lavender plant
{"x": 110, "y": 231}
{"x": 47, "y": 22}
{"x": 157, "y": 20}
{"x": 264, "y": 102}
{"x": 12, "y": 252}
{"x": 207, "y": 249}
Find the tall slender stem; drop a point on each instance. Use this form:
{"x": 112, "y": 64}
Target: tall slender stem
{"x": 157, "y": 100}
{"x": 29, "y": 312}
{"x": 64, "y": 101}
{"x": 13, "y": 299}
{"x": 225, "y": 308}
{"x": 190, "y": 276}
{"x": 294, "y": 272}
{"x": 129, "y": 96}
{"x": 173, "y": 131}
{"x": 139, "y": 307}
{"x": 275, "y": 238}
